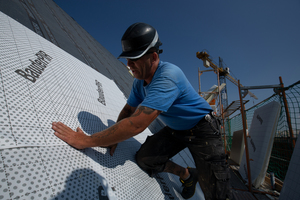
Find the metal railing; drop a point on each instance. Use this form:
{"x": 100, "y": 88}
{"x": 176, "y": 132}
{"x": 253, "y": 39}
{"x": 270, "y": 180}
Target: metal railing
{"x": 287, "y": 131}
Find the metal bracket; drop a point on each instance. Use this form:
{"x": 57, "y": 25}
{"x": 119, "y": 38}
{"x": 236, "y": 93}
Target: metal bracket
{"x": 244, "y": 93}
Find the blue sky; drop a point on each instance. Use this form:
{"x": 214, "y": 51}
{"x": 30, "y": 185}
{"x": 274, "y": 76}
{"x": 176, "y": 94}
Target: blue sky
{"x": 258, "y": 40}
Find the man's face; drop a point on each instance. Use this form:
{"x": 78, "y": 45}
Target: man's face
{"x": 141, "y": 68}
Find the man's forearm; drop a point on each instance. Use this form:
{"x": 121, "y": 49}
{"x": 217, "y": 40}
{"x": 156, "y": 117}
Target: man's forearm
{"x": 108, "y": 137}
{"x": 125, "y": 112}
{"x": 120, "y": 131}
{"x": 125, "y": 128}
{"x": 112, "y": 135}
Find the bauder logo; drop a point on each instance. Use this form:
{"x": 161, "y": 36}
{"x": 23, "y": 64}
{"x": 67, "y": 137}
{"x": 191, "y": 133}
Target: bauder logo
{"x": 101, "y": 98}
{"x": 36, "y": 68}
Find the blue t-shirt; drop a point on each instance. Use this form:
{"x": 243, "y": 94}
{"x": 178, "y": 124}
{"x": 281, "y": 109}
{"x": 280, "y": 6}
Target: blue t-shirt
{"x": 170, "y": 92}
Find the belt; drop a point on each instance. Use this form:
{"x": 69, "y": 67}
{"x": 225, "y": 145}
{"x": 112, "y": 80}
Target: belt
{"x": 190, "y": 132}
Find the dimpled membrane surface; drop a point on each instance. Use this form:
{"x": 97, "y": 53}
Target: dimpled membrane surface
{"x": 40, "y": 84}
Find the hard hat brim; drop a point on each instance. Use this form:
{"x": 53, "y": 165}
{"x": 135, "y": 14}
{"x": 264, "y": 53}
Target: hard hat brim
{"x": 132, "y": 55}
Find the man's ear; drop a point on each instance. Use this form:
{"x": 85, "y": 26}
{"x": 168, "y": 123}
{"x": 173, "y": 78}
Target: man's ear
{"x": 155, "y": 56}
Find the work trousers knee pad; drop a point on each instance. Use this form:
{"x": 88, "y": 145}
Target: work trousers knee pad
{"x": 140, "y": 161}
{"x": 148, "y": 164}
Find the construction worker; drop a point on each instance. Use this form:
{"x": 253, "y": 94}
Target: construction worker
{"x": 160, "y": 89}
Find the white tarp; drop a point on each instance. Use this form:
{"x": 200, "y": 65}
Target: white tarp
{"x": 40, "y": 84}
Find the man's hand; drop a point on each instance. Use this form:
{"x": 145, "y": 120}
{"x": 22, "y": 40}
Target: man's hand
{"x": 77, "y": 138}
{"x": 112, "y": 149}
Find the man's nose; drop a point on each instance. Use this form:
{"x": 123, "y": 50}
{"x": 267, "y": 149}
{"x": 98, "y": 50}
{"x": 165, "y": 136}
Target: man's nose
{"x": 129, "y": 63}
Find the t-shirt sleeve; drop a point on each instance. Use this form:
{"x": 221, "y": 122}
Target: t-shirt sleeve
{"x": 134, "y": 98}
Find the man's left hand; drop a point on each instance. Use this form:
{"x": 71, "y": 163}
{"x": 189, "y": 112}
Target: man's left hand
{"x": 77, "y": 138}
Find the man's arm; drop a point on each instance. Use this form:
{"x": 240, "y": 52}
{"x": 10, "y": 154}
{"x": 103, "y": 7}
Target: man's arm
{"x": 125, "y": 112}
{"x": 122, "y": 130}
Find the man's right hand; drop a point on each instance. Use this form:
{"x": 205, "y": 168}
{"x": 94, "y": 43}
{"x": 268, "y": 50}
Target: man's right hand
{"x": 77, "y": 138}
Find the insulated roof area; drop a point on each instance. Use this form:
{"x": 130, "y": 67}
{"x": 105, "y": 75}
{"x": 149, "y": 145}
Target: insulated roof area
{"x": 48, "y": 20}
{"x": 81, "y": 85}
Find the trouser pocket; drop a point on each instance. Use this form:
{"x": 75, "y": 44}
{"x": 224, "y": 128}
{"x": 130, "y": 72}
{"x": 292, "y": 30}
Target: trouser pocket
{"x": 222, "y": 175}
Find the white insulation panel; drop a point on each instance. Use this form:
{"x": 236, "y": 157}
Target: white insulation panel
{"x": 41, "y": 84}
{"x": 291, "y": 186}
{"x": 260, "y": 142}
{"x": 237, "y": 147}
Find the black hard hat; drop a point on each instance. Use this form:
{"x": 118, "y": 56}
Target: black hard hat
{"x": 138, "y": 39}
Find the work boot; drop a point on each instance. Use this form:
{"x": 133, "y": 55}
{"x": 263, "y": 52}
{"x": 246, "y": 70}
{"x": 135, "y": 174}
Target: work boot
{"x": 189, "y": 185}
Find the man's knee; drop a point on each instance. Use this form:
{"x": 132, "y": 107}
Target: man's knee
{"x": 140, "y": 160}
{"x": 149, "y": 164}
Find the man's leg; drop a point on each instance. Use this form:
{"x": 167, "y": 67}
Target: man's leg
{"x": 188, "y": 178}
{"x": 213, "y": 174}
{"x": 209, "y": 156}
{"x": 176, "y": 169}
{"x": 153, "y": 156}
